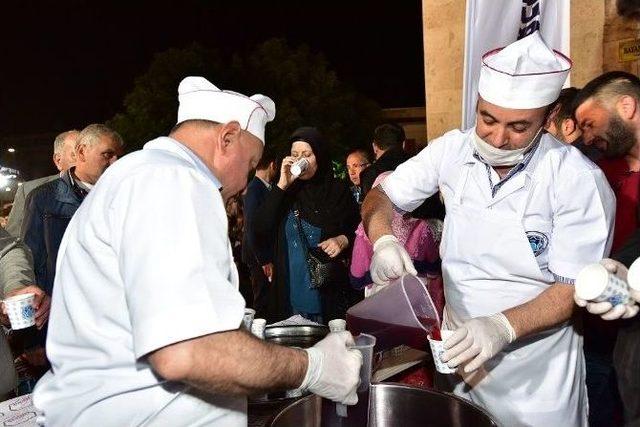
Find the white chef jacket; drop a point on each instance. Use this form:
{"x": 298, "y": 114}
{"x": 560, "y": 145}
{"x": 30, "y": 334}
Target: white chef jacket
{"x": 145, "y": 262}
{"x": 505, "y": 242}
{"x": 572, "y": 204}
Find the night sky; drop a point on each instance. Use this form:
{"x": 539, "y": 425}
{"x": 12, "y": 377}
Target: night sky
{"x": 66, "y": 64}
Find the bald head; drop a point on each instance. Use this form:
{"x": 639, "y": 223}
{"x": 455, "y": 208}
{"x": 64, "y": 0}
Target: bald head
{"x": 64, "y": 147}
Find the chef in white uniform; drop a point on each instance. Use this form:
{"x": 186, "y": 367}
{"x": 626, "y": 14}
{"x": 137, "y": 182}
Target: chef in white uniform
{"x": 524, "y": 214}
{"x": 146, "y": 308}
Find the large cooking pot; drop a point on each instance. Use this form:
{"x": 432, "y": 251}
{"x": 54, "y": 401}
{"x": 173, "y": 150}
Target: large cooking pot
{"x": 389, "y": 405}
{"x": 295, "y": 336}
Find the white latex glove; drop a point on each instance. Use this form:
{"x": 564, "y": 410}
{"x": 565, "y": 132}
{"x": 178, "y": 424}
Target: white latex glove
{"x": 477, "y": 341}
{"x": 333, "y": 371}
{"x": 605, "y": 309}
{"x": 390, "y": 260}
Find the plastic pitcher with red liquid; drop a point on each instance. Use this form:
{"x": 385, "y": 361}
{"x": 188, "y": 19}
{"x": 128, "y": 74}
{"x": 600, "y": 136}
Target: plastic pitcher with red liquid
{"x": 402, "y": 313}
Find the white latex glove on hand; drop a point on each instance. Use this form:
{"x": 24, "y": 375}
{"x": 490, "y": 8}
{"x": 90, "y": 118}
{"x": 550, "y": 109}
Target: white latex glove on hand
{"x": 477, "y": 341}
{"x": 333, "y": 371}
{"x": 390, "y": 260}
{"x": 605, "y": 309}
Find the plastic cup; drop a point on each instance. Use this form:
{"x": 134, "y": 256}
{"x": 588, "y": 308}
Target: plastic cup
{"x": 249, "y": 314}
{"x": 299, "y": 166}
{"x": 337, "y": 325}
{"x": 20, "y": 311}
{"x": 364, "y": 344}
{"x": 633, "y": 277}
{"x": 257, "y": 327}
{"x": 596, "y": 283}
{"x": 437, "y": 348}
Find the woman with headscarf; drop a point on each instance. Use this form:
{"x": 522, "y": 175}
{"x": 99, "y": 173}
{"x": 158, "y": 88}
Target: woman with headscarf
{"x": 328, "y": 215}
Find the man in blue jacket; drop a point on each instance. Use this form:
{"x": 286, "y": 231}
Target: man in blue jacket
{"x": 49, "y": 208}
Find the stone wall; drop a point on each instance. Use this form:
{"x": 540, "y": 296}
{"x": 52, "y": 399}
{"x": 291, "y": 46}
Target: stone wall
{"x": 616, "y": 31}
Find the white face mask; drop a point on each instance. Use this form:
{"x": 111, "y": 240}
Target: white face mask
{"x": 499, "y": 157}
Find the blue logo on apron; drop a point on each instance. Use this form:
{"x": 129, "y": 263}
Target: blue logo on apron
{"x": 538, "y": 242}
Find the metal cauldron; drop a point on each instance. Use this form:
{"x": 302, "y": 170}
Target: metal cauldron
{"x": 389, "y": 404}
{"x": 295, "y": 336}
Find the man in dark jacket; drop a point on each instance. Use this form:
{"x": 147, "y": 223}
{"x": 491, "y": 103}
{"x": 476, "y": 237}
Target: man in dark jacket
{"x": 49, "y": 208}
{"x": 64, "y": 147}
{"x": 387, "y": 144}
{"x": 257, "y": 251}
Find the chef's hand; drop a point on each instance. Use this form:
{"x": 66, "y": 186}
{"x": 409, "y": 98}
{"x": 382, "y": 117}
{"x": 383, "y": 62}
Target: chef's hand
{"x": 390, "y": 260}
{"x": 41, "y": 302}
{"x": 605, "y": 309}
{"x": 333, "y": 371}
{"x": 477, "y": 341}
{"x": 286, "y": 177}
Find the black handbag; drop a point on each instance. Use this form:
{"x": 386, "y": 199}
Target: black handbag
{"x": 323, "y": 270}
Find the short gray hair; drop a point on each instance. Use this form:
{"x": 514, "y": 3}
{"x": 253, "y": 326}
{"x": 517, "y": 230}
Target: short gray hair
{"x": 58, "y": 143}
{"x": 92, "y": 134}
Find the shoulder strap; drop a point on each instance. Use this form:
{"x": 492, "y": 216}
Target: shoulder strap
{"x": 303, "y": 237}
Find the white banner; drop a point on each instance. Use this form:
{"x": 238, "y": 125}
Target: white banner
{"x": 491, "y": 24}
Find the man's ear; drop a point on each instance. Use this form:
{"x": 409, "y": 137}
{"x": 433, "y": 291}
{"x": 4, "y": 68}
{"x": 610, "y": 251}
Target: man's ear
{"x": 568, "y": 127}
{"x": 552, "y": 116}
{"x": 627, "y": 107}
{"x": 56, "y": 160}
{"x": 80, "y": 152}
{"x": 229, "y": 133}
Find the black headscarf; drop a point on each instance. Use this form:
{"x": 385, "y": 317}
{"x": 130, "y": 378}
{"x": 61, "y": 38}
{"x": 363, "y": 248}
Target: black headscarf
{"x": 323, "y": 200}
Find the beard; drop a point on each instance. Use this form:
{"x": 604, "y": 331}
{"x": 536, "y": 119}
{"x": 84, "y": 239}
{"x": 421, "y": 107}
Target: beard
{"x": 620, "y": 138}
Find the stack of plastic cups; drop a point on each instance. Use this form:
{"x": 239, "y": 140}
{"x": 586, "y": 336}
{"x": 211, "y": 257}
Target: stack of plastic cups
{"x": 335, "y": 326}
{"x": 596, "y": 283}
{"x": 257, "y": 327}
{"x": 249, "y": 314}
{"x": 633, "y": 277}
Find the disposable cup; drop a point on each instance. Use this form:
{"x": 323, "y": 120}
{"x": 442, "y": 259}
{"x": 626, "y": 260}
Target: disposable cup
{"x": 299, "y": 166}
{"x": 337, "y": 325}
{"x": 249, "y": 314}
{"x": 633, "y": 277}
{"x": 364, "y": 343}
{"x": 20, "y": 311}
{"x": 437, "y": 348}
{"x": 596, "y": 283}
{"x": 257, "y": 327}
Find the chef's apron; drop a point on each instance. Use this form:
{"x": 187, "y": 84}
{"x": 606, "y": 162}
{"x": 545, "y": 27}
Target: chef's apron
{"x": 488, "y": 267}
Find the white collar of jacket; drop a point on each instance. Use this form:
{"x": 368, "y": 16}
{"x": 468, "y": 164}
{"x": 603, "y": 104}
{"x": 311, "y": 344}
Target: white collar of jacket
{"x": 171, "y": 145}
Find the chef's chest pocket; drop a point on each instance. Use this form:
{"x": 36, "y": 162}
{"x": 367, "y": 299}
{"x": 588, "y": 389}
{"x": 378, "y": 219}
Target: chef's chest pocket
{"x": 538, "y": 237}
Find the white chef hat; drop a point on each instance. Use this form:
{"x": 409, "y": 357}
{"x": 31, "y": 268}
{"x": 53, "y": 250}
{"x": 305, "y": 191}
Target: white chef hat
{"x": 525, "y": 74}
{"x": 201, "y": 100}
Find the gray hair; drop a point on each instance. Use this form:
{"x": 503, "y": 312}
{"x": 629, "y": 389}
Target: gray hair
{"x": 92, "y": 134}
{"x": 58, "y": 143}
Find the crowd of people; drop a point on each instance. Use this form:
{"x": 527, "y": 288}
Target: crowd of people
{"x": 138, "y": 265}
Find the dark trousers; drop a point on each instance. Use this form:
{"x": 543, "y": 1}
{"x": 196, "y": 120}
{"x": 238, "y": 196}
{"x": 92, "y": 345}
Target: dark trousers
{"x": 627, "y": 363}
{"x": 260, "y": 289}
{"x": 605, "y": 407}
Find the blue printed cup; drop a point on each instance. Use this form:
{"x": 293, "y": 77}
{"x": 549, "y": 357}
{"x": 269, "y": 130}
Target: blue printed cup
{"x": 596, "y": 283}
{"x": 20, "y": 311}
